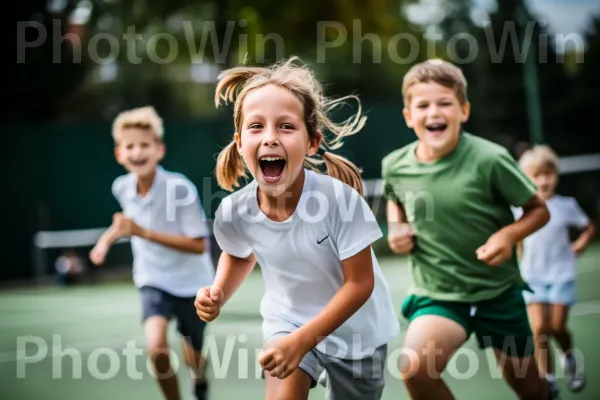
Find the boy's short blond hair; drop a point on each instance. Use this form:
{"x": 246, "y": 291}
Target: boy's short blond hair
{"x": 539, "y": 156}
{"x": 438, "y": 71}
{"x": 141, "y": 118}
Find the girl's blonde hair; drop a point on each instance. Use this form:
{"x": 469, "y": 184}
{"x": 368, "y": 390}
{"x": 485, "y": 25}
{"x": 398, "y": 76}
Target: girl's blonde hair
{"x": 235, "y": 84}
{"x": 142, "y": 118}
{"x": 539, "y": 156}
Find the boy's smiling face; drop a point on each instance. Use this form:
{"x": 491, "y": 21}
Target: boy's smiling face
{"x": 139, "y": 151}
{"x": 545, "y": 178}
{"x": 435, "y": 114}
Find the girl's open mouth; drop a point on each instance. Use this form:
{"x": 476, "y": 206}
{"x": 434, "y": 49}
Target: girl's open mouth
{"x": 271, "y": 167}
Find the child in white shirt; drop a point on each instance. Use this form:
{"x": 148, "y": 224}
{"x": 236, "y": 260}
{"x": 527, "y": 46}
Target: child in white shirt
{"x": 548, "y": 266}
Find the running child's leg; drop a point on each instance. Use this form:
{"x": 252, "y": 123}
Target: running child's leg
{"x": 429, "y": 343}
{"x": 522, "y": 376}
{"x": 502, "y": 323}
{"x": 294, "y": 387}
{"x": 540, "y": 326}
{"x": 558, "y": 326}
{"x": 192, "y": 330}
{"x": 196, "y": 362}
{"x": 155, "y": 328}
{"x": 574, "y": 374}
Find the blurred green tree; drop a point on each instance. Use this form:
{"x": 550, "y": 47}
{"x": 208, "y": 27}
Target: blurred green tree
{"x": 168, "y": 53}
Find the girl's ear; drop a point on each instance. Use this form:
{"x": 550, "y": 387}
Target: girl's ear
{"x": 314, "y": 143}
{"x": 238, "y": 140}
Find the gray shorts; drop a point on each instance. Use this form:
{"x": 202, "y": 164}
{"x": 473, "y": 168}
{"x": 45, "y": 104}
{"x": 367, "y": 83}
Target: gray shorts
{"x": 345, "y": 379}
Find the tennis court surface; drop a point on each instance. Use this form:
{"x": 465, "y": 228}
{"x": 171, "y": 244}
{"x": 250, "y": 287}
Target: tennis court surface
{"x": 86, "y": 343}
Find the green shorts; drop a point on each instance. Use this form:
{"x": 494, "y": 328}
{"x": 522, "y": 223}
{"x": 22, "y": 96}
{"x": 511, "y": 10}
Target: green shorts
{"x": 501, "y": 323}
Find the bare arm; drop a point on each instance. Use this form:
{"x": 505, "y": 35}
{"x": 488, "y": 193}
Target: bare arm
{"x": 231, "y": 272}
{"x": 110, "y": 236}
{"x": 177, "y": 242}
{"x": 535, "y": 215}
{"x": 584, "y": 239}
{"x": 395, "y": 213}
{"x": 400, "y": 234}
{"x": 124, "y": 226}
{"x": 355, "y": 291}
{"x": 499, "y": 247}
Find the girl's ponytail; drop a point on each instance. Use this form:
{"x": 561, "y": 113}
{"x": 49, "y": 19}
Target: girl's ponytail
{"x": 230, "y": 167}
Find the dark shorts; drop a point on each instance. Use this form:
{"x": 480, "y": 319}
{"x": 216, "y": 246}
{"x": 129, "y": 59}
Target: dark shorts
{"x": 158, "y": 302}
{"x": 501, "y": 323}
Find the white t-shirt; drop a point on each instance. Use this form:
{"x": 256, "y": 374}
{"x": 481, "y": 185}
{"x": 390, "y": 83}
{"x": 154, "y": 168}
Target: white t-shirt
{"x": 172, "y": 206}
{"x": 547, "y": 254}
{"x": 301, "y": 260}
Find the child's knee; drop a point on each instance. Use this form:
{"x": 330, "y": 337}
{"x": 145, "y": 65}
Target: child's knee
{"x": 540, "y": 329}
{"x": 416, "y": 370}
{"x": 557, "y": 330}
{"x": 158, "y": 353}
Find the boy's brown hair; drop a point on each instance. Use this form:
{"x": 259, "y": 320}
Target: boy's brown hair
{"x": 142, "y": 118}
{"x": 438, "y": 71}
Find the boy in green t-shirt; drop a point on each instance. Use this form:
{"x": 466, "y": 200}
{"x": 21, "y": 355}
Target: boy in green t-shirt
{"x": 449, "y": 207}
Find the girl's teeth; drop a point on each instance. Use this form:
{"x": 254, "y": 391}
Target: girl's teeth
{"x": 271, "y": 158}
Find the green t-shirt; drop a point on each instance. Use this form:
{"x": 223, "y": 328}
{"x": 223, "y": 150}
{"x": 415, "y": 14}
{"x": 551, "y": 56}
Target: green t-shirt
{"x": 454, "y": 205}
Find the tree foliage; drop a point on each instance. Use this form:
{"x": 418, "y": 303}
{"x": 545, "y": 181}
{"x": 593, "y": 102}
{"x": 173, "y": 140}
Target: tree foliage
{"x": 355, "y": 47}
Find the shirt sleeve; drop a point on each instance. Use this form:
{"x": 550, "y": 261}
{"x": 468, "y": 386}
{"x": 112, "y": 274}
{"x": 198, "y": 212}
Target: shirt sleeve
{"x": 190, "y": 217}
{"x": 354, "y": 224}
{"x": 227, "y": 236}
{"x": 117, "y": 189}
{"x": 510, "y": 181}
{"x": 577, "y": 217}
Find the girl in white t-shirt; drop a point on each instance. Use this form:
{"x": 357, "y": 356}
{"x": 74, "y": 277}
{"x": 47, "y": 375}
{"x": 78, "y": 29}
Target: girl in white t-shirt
{"x": 548, "y": 266}
{"x": 326, "y": 305}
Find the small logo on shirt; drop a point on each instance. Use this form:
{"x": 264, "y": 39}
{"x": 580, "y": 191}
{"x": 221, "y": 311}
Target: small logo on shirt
{"x": 321, "y": 241}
